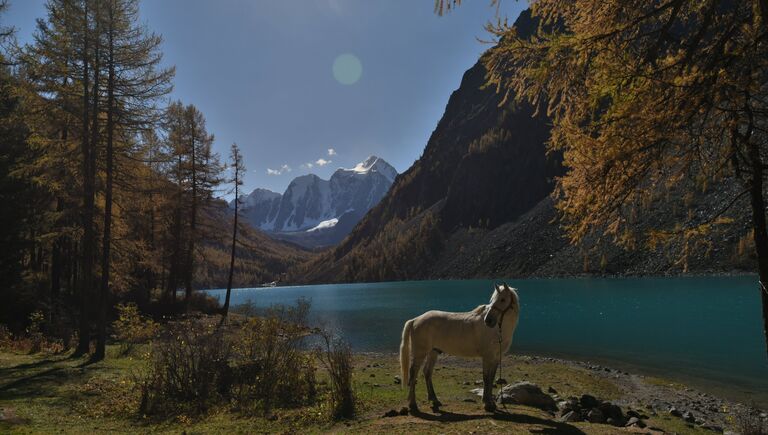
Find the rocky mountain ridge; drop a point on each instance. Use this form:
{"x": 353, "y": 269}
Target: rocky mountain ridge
{"x": 316, "y": 212}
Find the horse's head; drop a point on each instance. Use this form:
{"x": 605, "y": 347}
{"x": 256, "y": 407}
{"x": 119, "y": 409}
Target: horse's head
{"x": 504, "y": 301}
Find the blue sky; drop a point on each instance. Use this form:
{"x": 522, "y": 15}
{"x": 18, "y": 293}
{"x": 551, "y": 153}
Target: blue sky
{"x": 262, "y": 72}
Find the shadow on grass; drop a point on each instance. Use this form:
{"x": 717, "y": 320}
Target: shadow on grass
{"x": 551, "y": 427}
{"x": 32, "y": 365}
{"x": 42, "y": 378}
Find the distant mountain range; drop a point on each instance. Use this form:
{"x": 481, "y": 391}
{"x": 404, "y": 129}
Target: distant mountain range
{"x": 313, "y": 212}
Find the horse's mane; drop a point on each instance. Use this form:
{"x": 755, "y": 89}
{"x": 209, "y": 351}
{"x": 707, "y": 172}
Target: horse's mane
{"x": 479, "y": 310}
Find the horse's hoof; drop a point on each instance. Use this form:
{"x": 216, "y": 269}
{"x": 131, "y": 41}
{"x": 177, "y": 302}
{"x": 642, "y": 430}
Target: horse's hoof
{"x": 413, "y": 408}
{"x": 436, "y": 403}
{"x": 490, "y": 406}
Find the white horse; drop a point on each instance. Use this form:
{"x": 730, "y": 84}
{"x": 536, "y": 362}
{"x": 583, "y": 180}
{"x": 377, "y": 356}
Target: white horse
{"x": 484, "y": 332}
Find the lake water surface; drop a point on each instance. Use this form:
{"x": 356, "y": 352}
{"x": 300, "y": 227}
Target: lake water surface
{"x": 706, "y": 330}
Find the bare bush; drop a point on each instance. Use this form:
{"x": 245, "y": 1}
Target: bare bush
{"x": 748, "y": 421}
{"x": 271, "y": 367}
{"x": 187, "y": 369}
{"x": 246, "y": 309}
{"x": 260, "y": 363}
{"x": 336, "y": 356}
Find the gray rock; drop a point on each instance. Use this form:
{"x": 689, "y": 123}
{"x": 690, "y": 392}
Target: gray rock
{"x": 526, "y": 393}
{"x": 588, "y": 401}
{"x": 571, "y": 417}
{"x": 398, "y": 381}
{"x": 595, "y": 415}
{"x": 689, "y": 417}
{"x": 635, "y": 422}
{"x": 674, "y": 412}
{"x": 611, "y": 411}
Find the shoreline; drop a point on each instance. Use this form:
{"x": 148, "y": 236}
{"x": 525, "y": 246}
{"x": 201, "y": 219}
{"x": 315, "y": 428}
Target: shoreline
{"x": 722, "y": 388}
{"x": 704, "y": 274}
{"x": 660, "y": 396}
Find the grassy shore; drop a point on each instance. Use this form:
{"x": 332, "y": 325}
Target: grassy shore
{"x": 57, "y": 394}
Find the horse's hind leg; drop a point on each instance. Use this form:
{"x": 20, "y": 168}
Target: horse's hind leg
{"x": 429, "y": 368}
{"x": 416, "y": 361}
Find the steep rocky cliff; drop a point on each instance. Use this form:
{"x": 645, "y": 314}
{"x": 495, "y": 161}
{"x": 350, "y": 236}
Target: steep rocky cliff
{"x": 477, "y": 204}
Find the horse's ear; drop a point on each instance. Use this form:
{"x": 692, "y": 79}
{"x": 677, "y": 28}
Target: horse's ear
{"x": 506, "y": 287}
{"x": 496, "y": 288}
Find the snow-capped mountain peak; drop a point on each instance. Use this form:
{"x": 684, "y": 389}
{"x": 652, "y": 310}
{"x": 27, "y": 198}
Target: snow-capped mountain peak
{"x": 313, "y": 204}
{"x": 373, "y": 163}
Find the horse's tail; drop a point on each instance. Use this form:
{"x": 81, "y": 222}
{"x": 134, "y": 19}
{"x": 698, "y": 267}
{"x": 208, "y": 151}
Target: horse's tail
{"x": 405, "y": 351}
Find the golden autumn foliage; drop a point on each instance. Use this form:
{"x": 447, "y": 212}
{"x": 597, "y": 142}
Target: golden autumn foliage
{"x": 645, "y": 97}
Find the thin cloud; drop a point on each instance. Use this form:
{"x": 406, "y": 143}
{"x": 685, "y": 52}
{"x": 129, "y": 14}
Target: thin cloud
{"x": 307, "y": 166}
{"x": 322, "y": 162}
{"x": 331, "y": 152}
{"x": 280, "y": 171}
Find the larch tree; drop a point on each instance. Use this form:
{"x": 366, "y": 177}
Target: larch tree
{"x": 194, "y": 169}
{"x": 647, "y": 98}
{"x": 92, "y": 76}
{"x": 135, "y": 82}
{"x": 238, "y": 171}
{"x": 17, "y": 189}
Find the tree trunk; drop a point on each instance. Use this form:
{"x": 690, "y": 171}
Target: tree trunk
{"x": 189, "y": 269}
{"x": 56, "y": 265}
{"x": 86, "y": 278}
{"x": 101, "y": 339}
{"x": 760, "y": 230}
{"x": 225, "y": 309}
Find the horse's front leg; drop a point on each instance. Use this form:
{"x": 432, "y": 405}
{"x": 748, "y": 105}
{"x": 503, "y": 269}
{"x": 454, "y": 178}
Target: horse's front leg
{"x": 489, "y": 374}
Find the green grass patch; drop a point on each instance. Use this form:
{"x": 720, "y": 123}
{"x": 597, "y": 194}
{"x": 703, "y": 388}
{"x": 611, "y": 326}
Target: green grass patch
{"x": 46, "y": 394}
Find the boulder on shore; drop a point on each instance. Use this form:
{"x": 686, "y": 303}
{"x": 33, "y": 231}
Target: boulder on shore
{"x": 526, "y": 393}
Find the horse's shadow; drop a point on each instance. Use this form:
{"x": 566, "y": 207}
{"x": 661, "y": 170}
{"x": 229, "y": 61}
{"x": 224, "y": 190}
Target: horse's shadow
{"x": 552, "y": 427}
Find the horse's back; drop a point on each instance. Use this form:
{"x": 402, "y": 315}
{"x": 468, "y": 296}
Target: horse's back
{"x": 450, "y": 332}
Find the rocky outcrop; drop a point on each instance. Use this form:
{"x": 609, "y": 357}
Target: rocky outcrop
{"x": 315, "y": 212}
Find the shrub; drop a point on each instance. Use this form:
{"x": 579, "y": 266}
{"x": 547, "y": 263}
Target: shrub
{"x": 186, "y": 370}
{"x": 35, "y": 331}
{"x": 336, "y": 356}
{"x": 748, "y": 421}
{"x": 260, "y": 363}
{"x": 33, "y": 340}
{"x": 6, "y": 338}
{"x": 271, "y": 368}
{"x": 131, "y": 328}
{"x": 202, "y": 302}
{"x": 246, "y": 309}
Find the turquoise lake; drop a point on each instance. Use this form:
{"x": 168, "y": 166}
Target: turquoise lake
{"x": 704, "y": 330}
